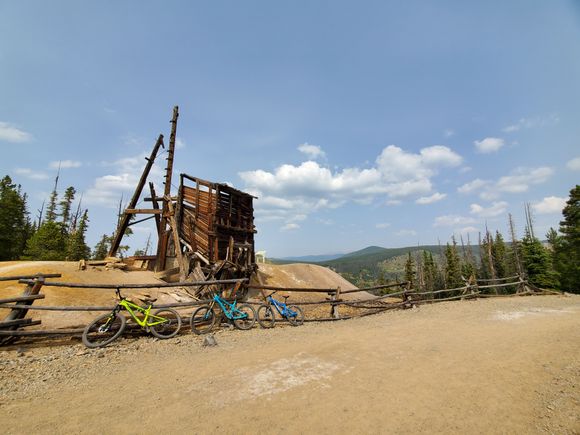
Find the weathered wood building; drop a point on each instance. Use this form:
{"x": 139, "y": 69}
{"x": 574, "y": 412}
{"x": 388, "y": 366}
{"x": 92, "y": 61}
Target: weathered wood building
{"x": 204, "y": 232}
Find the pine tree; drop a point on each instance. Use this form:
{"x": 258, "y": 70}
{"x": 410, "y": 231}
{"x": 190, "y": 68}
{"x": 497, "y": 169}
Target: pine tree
{"x": 15, "y": 226}
{"x": 538, "y": 263}
{"x": 452, "y": 266}
{"x": 468, "y": 262}
{"x": 429, "y": 271}
{"x": 48, "y": 243}
{"x": 77, "y": 248}
{"x": 498, "y": 252}
{"x": 51, "y": 208}
{"x": 65, "y": 205}
{"x": 102, "y": 247}
{"x": 568, "y": 249}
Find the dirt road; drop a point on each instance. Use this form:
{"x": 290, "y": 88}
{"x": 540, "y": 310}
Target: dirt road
{"x": 487, "y": 366}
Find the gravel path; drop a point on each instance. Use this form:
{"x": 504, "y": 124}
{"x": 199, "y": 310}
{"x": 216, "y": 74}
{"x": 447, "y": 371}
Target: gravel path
{"x": 487, "y": 366}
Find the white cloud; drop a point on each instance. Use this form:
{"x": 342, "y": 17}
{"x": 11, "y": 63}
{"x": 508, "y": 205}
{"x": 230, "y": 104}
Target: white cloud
{"x": 64, "y": 164}
{"x": 496, "y": 209}
{"x": 312, "y": 151}
{"x": 574, "y": 164}
{"x": 431, "y": 199}
{"x": 11, "y": 133}
{"x": 311, "y": 186}
{"x": 32, "y": 174}
{"x": 472, "y": 186}
{"x": 404, "y": 233}
{"x": 489, "y": 145}
{"x": 290, "y": 226}
{"x": 549, "y": 205}
{"x": 108, "y": 189}
{"x": 451, "y": 220}
{"x": 382, "y": 225}
{"x": 521, "y": 179}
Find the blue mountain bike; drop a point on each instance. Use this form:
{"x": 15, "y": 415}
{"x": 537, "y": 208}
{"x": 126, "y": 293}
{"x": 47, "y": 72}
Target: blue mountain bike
{"x": 292, "y": 313}
{"x": 203, "y": 319}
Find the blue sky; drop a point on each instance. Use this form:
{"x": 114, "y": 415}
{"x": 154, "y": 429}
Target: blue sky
{"x": 355, "y": 123}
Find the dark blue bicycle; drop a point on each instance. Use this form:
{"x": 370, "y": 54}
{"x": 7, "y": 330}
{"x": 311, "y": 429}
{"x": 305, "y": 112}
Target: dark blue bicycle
{"x": 292, "y": 313}
{"x": 203, "y": 319}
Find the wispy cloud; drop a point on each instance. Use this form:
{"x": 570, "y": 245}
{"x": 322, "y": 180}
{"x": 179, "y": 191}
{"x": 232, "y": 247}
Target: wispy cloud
{"x": 452, "y": 220}
{"x": 524, "y": 123}
{"x": 549, "y": 205}
{"x": 521, "y": 179}
{"x": 574, "y": 164}
{"x": 449, "y": 132}
{"x": 489, "y": 145}
{"x": 179, "y": 143}
{"x": 32, "y": 174}
{"x": 65, "y": 164}
{"x": 496, "y": 209}
{"x": 406, "y": 233}
{"x": 312, "y": 151}
{"x": 472, "y": 186}
{"x": 518, "y": 181}
{"x": 290, "y": 226}
{"x": 10, "y": 133}
{"x": 431, "y": 199}
{"x": 382, "y": 225}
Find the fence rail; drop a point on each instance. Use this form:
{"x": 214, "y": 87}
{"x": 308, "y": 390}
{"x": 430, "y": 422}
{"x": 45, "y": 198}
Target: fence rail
{"x": 407, "y": 297}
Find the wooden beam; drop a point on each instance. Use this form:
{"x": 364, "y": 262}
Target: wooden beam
{"x": 123, "y": 224}
{"x": 19, "y": 323}
{"x": 18, "y": 277}
{"x": 21, "y": 299}
{"x": 156, "y": 207}
{"x": 142, "y": 211}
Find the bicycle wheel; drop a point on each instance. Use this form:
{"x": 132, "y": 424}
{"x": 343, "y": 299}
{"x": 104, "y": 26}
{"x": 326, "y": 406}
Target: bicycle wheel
{"x": 298, "y": 319}
{"x": 265, "y": 315}
{"x": 202, "y": 320}
{"x": 170, "y": 327}
{"x": 103, "y": 330}
{"x": 248, "y": 320}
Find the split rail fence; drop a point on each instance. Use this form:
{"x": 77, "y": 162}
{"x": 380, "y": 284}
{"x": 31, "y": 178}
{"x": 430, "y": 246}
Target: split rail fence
{"x": 403, "y": 296}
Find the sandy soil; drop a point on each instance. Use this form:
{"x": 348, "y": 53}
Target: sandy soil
{"x": 486, "y": 366}
{"x": 294, "y": 275}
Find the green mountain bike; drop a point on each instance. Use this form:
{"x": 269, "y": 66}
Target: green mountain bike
{"x": 163, "y": 323}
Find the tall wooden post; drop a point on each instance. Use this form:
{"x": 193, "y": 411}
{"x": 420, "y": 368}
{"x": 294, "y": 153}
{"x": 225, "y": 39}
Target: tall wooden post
{"x": 163, "y": 236}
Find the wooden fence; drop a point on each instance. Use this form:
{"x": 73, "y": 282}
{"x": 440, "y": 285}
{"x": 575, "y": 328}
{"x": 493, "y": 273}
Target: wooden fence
{"x": 403, "y": 297}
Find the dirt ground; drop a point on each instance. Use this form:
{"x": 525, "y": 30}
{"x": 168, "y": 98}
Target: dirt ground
{"x": 484, "y": 366}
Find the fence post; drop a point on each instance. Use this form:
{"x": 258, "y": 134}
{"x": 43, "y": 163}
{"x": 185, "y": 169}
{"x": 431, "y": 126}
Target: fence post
{"x": 33, "y": 288}
{"x": 333, "y": 306}
{"x": 406, "y": 297}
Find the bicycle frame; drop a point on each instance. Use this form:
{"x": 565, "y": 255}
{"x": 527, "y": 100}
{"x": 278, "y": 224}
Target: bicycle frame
{"x": 229, "y": 309}
{"x": 281, "y": 307}
{"x": 146, "y": 322}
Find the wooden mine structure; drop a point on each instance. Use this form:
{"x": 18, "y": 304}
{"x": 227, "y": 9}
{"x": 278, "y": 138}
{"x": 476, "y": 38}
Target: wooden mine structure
{"x": 204, "y": 232}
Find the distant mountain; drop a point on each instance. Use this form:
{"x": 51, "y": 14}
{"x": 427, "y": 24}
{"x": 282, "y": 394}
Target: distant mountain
{"x": 366, "y": 251}
{"x": 310, "y": 258}
{"x": 373, "y": 260}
